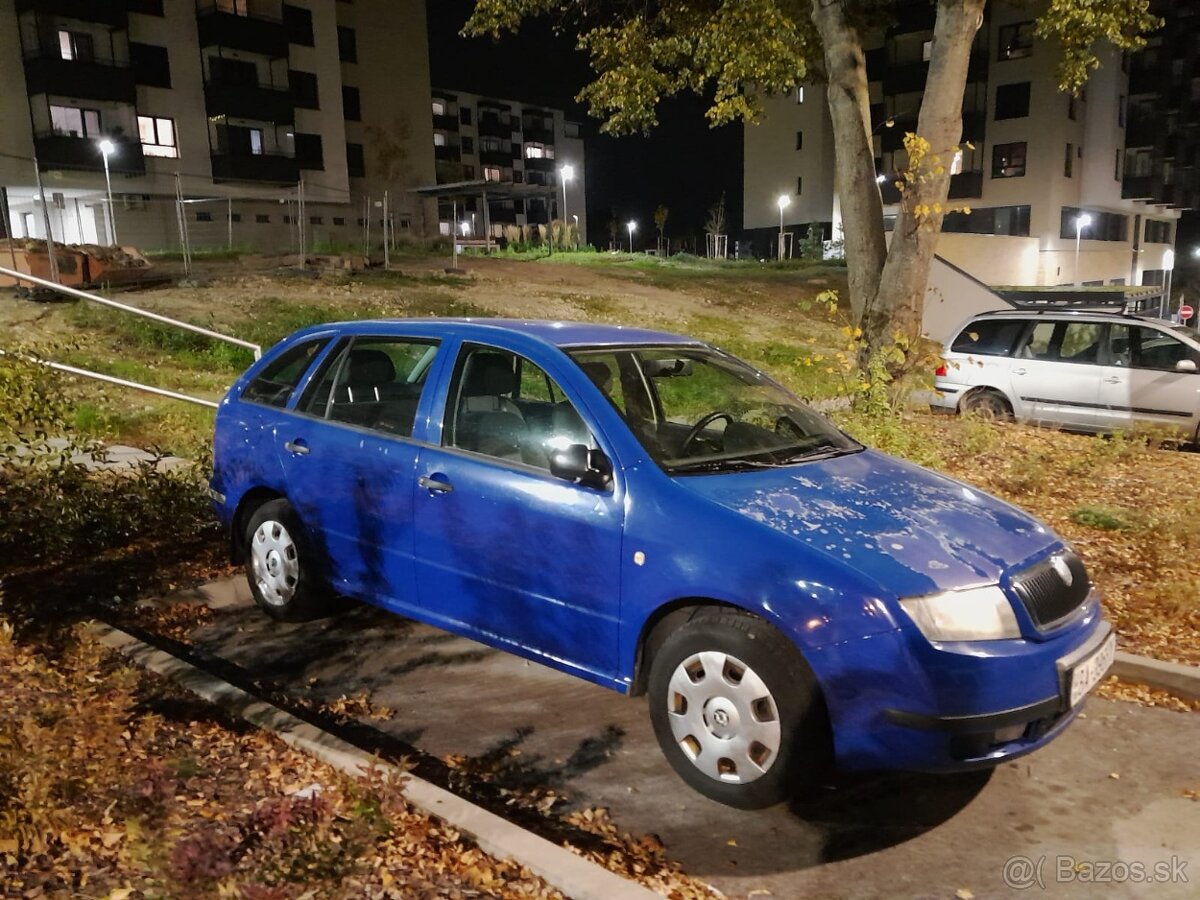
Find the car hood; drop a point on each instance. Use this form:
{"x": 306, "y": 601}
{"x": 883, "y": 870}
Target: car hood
{"x": 908, "y": 529}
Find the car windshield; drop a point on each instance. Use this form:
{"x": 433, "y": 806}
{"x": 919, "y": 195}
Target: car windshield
{"x": 1187, "y": 331}
{"x": 696, "y": 409}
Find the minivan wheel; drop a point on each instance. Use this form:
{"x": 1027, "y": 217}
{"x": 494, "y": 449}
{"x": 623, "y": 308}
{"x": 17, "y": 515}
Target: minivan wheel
{"x": 736, "y": 710}
{"x": 280, "y": 567}
{"x": 989, "y": 404}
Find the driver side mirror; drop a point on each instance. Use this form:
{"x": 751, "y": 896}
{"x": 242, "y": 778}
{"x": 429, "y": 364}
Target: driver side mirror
{"x": 1185, "y": 365}
{"x": 579, "y": 464}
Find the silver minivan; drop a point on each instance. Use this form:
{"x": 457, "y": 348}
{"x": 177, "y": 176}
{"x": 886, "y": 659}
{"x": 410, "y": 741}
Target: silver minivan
{"x": 1084, "y": 370}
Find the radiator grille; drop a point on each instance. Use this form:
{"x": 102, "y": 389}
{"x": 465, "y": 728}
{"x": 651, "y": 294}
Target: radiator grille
{"x": 1045, "y": 591}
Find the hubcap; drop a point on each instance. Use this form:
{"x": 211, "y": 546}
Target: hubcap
{"x": 723, "y": 717}
{"x": 274, "y": 562}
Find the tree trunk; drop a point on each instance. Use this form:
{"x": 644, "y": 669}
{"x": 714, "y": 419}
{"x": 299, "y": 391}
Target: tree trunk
{"x": 898, "y": 305}
{"x": 854, "y": 156}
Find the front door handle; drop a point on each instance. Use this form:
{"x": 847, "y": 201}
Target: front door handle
{"x": 435, "y": 485}
{"x": 1018, "y": 371}
{"x": 297, "y": 446}
{"x": 1113, "y": 379}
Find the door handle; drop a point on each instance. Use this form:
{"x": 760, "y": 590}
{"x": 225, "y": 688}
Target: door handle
{"x": 297, "y": 446}
{"x": 435, "y": 485}
{"x": 1018, "y": 371}
{"x": 1113, "y": 379}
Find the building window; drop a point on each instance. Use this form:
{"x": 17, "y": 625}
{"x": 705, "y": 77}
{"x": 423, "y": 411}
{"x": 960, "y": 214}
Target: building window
{"x": 235, "y": 217}
{"x": 351, "y": 108}
{"x": 439, "y": 106}
{"x": 535, "y": 150}
{"x": 234, "y": 7}
{"x": 151, "y": 66}
{"x": 1104, "y": 226}
{"x": 315, "y": 220}
{"x": 1016, "y": 41}
{"x": 799, "y": 184}
{"x": 339, "y": 220}
{"x": 1007, "y": 220}
{"x": 571, "y": 129}
{"x": 355, "y": 163}
{"x": 146, "y": 7}
{"x": 347, "y": 44}
{"x": 297, "y": 22}
{"x": 1117, "y": 165}
{"x": 799, "y": 93}
{"x": 1122, "y": 104}
{"x": 926, "y": 51}
{"x": 256, "y": 141}
{"x": 439, "y": 139}
{"x": 76, "y": 45}
{"x": 956, "y": 164}
{"x": 1008, "y": 160}
{"x": 202, "y": 216}
{"x": 1071, "y": 107}
{"x": 518, "y": 176}
{"x": 75, "y": 122}
{"x": 1069, "y": 160}
{"x": 799, "y": 140}
{"x": 491, "y": 173}
{"x": 287, "y": 220}
{"x": 232, "y": 72}
{"x": 464, "y": 115}
{"x": 262, "y": 219}
{"x": 309, "y": 154}
{"x": 304, "y": 89}
{"x": 157, "y": 136}
{"x": 469, "y": 173}
{"x": 468, "y": 144}
{"x": 1012, "y": 101}
{"x": 1158, "y": 232}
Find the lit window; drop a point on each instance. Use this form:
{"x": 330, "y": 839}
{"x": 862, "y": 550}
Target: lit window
{"x": 491, "y": 173}
{"x": 439, "y": 107}
{"x": 927, "y": 51}
{"x": 157, "y": 136}
{"x": 76, "y": 45}
{"x": 439, "y": 139}
{"x": 799, "y": 93}
{"x": 256, "y": 141}
{"x": 75, "y": 122}
{"x": 956, "y": 165}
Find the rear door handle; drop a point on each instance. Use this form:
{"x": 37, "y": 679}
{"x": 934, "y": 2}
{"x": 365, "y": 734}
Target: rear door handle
{"x": 1113, "y": 379}
{"x": 1018, "y": 371}
{"x": 297, "y": 446}
{"x": 435, "y": 485}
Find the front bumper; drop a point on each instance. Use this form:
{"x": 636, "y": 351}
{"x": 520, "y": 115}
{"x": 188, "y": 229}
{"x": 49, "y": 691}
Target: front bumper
{"x": 952, "y": 707}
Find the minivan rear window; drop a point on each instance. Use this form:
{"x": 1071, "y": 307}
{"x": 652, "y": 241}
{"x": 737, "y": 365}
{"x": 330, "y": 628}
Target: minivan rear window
{"x": 989, "y": 337}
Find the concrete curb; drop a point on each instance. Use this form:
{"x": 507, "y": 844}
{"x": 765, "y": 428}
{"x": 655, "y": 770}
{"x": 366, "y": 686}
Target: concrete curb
{"x": 573, "y": 875}
{"x": 1174, "y": 677}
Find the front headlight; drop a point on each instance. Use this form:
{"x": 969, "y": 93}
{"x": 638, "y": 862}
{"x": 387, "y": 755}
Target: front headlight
{"x": 975, "y": 614}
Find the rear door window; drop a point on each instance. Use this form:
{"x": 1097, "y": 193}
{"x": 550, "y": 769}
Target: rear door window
{"x": 989, "y": 337}
{"x": 1073, "y": 342}
{"x": 274, "y": 385}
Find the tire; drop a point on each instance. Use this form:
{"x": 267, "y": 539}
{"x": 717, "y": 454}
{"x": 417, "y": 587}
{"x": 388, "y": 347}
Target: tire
{"x": 755, "y": 732}
{"x": 280, "y": 565}
{"x": 987, "y": 403}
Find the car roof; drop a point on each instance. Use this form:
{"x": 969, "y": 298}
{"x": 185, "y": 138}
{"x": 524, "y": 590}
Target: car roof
{"x": 1113, "y": 313}
{"x": 555, "y": 332}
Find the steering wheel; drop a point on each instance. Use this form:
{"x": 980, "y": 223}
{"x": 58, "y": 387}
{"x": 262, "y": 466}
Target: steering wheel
{"x": 704, "y": 422}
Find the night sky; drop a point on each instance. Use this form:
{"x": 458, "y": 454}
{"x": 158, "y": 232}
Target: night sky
{"x": 683, "y": 164}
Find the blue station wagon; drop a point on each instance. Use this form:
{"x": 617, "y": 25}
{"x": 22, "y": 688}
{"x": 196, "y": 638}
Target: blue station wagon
{"x": 647, "y": 512}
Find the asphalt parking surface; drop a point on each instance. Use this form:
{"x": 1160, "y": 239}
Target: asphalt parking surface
{"x": 1109, "y": 794}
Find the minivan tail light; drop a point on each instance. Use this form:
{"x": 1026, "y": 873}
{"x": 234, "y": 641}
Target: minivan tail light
{"x": 941, "y": 371}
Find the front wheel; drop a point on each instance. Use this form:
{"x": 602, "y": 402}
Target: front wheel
{"x": 280, "y": 566}
{"x": 737, "y": 711}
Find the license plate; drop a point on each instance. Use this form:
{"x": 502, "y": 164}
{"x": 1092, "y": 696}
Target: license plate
{"x": 1088, "y": 673}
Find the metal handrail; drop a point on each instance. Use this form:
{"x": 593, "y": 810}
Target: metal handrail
{"x": 104, "y": 301}
{"x": 111, "y": 379}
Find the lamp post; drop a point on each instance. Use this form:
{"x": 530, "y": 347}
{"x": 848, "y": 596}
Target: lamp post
{"x": 783, "y": 203}
{"x": 632, "y": 226}
{"x": 107, "y": 147}
{"x": 566, "y": 173}
{"x": 1081, "y": 222}
{"x": 1169, "y": 265}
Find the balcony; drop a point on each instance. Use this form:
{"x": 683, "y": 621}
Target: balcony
{"x": 276, "y": 168}
{"x": 495, "y": 126}
{"x": 974, "y": 127}
{"x": 1142, "y": 130}
{"x": 107, "y": 12}
{"x": 258, "y": 102}
{"x": 65, "y": 151}
{"x": 452, "y": 152}
{"x": 537, "y": 134}
{"x": 1145, "y": 80}
{"x": 446, "y": 122}
{"x": 254, "y": 34}
{"x": 46, "y": 72}
{"x": 966, "y": 185}
{"x": 502, "y": 157}
{"x": 1140, "y": 187}
{"x": 910, "y": 78}
{"x": 539, "y": 164}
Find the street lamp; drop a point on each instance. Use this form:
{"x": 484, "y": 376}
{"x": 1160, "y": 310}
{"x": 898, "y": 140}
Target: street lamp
{"x": 107, "y": 147}
{"x": 566, "y": 173}
{"x": 783, "y": 203}
{"x": 1168, "y": 264}
{"x": 1081, "y": 222}
{"x": 632, "y": 226}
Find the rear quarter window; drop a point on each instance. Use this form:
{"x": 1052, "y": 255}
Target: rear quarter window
{"x": 989, "y": 337}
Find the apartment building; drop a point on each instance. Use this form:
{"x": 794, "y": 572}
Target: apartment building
{"x": 1034, "y": 164}
{"x": 509, "y": 144}
{"x": 239, "y": 107}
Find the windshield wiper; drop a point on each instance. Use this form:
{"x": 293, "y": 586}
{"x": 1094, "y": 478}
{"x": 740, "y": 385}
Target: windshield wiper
{"x": 719, "y": 465}
{"x": 823, "y": 452}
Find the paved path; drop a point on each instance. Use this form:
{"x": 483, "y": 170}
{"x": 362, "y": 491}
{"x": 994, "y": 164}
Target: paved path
{"x": 1110, "y": 790}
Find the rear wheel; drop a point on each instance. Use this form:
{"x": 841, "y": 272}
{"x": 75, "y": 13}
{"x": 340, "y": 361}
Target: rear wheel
{"x": 988, "y": 404}
{"x": 736, "y": 710}
{"x": 280, "y": 566}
